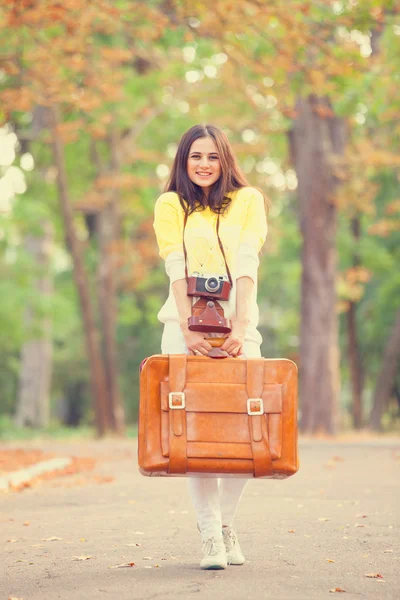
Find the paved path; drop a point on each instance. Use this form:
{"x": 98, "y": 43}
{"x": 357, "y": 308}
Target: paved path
{"x": 327, "y": 527}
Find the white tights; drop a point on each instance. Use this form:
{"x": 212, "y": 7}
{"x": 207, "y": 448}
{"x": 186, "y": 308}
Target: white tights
{"x": 215, "y": 500}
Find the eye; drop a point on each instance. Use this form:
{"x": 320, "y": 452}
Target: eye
{"x": 195, "y": 156}
{"x": 214, "y": 157}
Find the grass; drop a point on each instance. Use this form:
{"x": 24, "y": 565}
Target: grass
{"x": 55, "y": 431}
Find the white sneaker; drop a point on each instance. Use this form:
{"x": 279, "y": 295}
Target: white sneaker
{"x": 232, "y": 547}
{"x": 214, "y": 555}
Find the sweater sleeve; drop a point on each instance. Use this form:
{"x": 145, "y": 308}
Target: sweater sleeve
{"x": 169, "y": 234}
{"x": 253, "y": 235}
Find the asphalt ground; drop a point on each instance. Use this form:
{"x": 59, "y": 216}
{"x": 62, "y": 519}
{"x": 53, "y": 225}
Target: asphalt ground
{"x": 326, "y": 528}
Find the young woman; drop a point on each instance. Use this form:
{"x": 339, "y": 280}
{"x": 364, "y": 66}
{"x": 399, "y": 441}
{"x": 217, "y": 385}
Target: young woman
{"x": 206, "y": 182}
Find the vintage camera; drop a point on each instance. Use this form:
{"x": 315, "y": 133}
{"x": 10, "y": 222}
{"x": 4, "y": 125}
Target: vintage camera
{"x": 217, "y": 287}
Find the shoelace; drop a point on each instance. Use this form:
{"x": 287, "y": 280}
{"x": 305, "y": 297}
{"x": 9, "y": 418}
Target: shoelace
{"x": 211, "y": 546}
{"x": 231, "y": 535}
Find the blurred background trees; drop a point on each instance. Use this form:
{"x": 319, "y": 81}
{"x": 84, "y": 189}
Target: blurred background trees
{"x": 94, "y": 99}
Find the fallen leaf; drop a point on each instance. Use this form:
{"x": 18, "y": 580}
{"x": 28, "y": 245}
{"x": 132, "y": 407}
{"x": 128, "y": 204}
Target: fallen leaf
{"x": 337, "y": 589}
{"x": 104, "y": 479}
{"x": 338, "y": 458}
{"x": 359, "y": 525}
{"x": 374, "y": 575}
{"x": 81, "y": 557}
{"x": 123, "y": 565}
{"x": 156, "y": 566}
{"x": 14, "y": 598}
{"x": 361, "y": 516}
{"x": 26, "y": 523}
{"x": 37, "y": 545}
{"x": 51, "y": 539}
{"x": 291, "y": 531}
{"x": 147, "y": 558}
{"x": 12, "y": 541}
{"x": 134, "y": 544}
{"x": 323, "y": 519}
{"x": 330, "y": 560}
{"x": 387, "y": 551}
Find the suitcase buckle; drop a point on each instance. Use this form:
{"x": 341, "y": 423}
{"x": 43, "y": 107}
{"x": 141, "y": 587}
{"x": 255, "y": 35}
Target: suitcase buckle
{"x": 176, "y": 400}
{"x": 256, "y": 411}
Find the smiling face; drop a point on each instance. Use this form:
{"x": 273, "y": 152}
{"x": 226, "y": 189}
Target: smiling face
{"x": 203, "y": 164}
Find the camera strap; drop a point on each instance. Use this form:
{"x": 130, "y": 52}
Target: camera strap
{"x": 219, "y": 243}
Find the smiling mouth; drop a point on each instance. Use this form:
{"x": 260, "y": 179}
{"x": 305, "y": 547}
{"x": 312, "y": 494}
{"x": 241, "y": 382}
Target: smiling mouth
{"x": 204, "y": 174}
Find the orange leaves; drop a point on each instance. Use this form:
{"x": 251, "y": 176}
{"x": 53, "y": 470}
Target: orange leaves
{"x": 393, "y": 208}
{"x": 358, "y": 275}
{"x": 317, "y": 80}
{"x": 93, "y": 201}
{"x": 18, "y": 458}
{"x": 116, "y": 55}
{"x": 17, "y": 99}
{"x": 384, "y": 228}
{"x": 70, "y": 130}
{"x": 351, "y": 286}
{"x": 118, "y": 181}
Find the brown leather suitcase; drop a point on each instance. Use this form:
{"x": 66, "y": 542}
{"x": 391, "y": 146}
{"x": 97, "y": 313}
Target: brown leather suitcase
{"x": 228, "y": 417}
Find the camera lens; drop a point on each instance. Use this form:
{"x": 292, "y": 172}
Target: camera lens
{"x": 212, "y": 284}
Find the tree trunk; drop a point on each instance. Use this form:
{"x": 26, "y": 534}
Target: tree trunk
{"x": 317, "y": 135}
{"x": 97, "y": 378}
{"x": 108, "y": 229}
{"x": 386, "y": 378}
{"x": 355, "y": 367}
{"x": 356, "y": 374}
{"x": 33, "y": 404}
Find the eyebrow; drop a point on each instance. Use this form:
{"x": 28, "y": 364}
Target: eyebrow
{"x": 198, "y": 152}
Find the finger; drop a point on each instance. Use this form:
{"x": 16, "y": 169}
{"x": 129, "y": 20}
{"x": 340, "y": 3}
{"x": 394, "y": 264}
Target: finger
{"x": 235, "y": 350}
{"x": 200, "y": 350}
{"x": 226, "y": 344}
{"x": 206, "y": 347}
{"x": 231, "y": 346}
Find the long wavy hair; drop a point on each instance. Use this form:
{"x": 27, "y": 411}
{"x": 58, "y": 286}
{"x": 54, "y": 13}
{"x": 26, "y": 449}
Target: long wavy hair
{"x": 192, "y": 196}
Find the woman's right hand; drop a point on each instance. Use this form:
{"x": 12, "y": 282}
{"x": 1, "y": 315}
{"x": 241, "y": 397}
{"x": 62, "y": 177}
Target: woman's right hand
{"x": 196, "y": 342}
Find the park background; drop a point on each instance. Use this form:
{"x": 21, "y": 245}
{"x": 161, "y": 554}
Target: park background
{"x": 94, "y": 97}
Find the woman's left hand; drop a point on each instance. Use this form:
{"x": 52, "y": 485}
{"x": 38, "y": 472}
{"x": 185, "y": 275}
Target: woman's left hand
{"x": 234, "y": 342}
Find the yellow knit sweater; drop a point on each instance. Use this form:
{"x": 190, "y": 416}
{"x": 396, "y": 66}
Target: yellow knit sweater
{"x": 242, "y": 230}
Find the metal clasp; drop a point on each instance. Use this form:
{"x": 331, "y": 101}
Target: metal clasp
{"x": 259, "y": 410}
{"x": 176, "y": 400}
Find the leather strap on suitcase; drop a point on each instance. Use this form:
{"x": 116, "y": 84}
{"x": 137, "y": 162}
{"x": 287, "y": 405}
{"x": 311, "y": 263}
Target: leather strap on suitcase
{"x": 177, "y": 421}
{"x": 258, "y": 431}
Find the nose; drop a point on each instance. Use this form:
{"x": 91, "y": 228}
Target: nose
{"x": 204, "y": 161}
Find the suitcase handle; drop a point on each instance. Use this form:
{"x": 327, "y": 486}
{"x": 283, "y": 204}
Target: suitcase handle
{"x": 215, "y": 351}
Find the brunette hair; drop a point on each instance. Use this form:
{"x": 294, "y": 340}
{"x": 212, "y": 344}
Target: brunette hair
{"x": 191, "y": 196}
